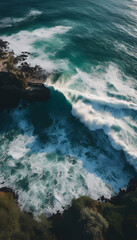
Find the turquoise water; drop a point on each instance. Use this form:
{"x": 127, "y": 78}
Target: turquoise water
{"x": 83, "y": 141}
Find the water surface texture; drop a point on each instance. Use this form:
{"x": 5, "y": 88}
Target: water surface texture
{"x": 83, "y": 141}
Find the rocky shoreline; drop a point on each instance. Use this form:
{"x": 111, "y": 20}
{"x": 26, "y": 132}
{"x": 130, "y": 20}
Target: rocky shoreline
{"x": 18, "y": 80}
{"x": 85, "y": 219}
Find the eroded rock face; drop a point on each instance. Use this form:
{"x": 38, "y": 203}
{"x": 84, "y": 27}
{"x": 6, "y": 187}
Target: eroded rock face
{"x": 36, "y": 92}
{"x": 12, "y": 90}
{"x": 21, "y": 81}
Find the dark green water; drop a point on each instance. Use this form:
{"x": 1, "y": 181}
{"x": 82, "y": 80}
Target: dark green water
{"x": 83, "y": 141}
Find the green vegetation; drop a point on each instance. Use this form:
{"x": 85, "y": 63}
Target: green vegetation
{"x": 86, "y": 219}
{"x": 17, "y": 225}
{"x": 94, "y": 223}
{"x": 81, "y": 221}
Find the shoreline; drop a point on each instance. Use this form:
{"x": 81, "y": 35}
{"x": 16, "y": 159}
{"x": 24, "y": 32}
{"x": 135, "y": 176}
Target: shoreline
{"x": 115, "y": 199}
{"x": 85, "y": 218}
{"x": 19, "y": 80}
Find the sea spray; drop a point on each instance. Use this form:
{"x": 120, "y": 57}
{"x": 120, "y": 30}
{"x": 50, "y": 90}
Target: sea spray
{"x": 83, "y": 140}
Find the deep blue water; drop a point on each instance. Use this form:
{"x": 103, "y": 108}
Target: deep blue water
{"x": 83, "y": 141}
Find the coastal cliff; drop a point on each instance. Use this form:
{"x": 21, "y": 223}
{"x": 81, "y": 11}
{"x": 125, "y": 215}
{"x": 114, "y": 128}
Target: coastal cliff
{"x": 18, "y": 80}
{"x": 85, "y": 219}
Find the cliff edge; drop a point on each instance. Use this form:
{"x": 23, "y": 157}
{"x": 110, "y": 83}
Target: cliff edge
{"x": 19, "y": 80}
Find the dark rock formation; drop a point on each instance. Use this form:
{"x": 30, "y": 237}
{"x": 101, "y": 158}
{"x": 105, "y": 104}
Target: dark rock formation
{"x": 36, "y": 92}
{"x": 88, "y": 219}
{"x": 116, "y": 199}
{"x": 12, "y": 90}
{"x": 85, "y": 219}
{"x": 21, "y": 81}
{"x": 3, "y": 45}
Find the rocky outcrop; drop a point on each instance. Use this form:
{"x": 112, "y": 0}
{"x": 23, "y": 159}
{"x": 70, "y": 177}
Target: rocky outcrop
{"x": 85, "y": 219}
{"x": 88, "y": 219}
{"x": 12, "y": 90}
{"x": 19, "y": 80}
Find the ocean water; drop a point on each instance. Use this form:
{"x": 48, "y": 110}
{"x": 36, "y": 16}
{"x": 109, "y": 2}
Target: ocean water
{"x": 83, "y": 141}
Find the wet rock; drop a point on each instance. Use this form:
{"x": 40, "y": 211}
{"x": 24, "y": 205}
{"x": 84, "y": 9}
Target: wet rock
{"x": 3, "y": 44}
{"x": 22, "y": 81}
{"x": 12, "y": 90}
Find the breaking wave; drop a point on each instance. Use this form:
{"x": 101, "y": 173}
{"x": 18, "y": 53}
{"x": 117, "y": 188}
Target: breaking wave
{"x": 83, "y": 141}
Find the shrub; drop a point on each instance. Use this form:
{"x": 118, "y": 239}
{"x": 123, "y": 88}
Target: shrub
{"x": 94, "y": 223}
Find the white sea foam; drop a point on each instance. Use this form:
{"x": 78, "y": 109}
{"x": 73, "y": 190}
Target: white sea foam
{"x": 92, "y": 105}
{"x": 50, "y": 32}
{"x": 9, "y": 21}
{"x": 124, "y": 139}
{"x": 105, "y": 94}
{"x": 53, "y": 179}
{"x": 56, "y": 172}
{"x": 18, "y": 148}
{"x": 34, "y": 13}
{"x": 47, "y": 176}
{"x": 27, "y": 40}
{"x": 62, "y": 185}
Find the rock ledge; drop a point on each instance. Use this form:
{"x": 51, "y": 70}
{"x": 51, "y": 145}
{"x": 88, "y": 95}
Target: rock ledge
{"x": 19, "y": 80}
